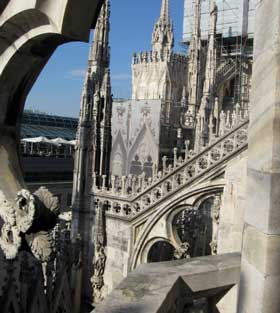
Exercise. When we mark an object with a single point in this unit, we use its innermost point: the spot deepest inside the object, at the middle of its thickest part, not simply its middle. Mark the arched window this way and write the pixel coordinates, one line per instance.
(195, 227)
(161, 251)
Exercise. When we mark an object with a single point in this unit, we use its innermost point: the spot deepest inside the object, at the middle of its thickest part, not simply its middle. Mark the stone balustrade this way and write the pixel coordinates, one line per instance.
(130, 196)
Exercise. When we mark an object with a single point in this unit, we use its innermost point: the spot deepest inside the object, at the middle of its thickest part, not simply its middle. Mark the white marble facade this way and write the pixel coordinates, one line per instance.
(160, 73)
(135, 136)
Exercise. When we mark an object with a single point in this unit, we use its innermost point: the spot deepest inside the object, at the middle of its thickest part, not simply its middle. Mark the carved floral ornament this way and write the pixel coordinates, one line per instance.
(27, 223)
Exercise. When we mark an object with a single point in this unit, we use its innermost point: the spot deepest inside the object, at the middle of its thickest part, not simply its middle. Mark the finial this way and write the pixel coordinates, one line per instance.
(164, 14)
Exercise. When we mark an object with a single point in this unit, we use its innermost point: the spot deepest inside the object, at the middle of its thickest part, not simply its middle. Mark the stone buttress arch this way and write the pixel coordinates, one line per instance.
(192, 196)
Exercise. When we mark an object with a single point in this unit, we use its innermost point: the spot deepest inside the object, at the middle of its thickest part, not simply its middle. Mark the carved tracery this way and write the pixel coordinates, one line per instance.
(197, 228)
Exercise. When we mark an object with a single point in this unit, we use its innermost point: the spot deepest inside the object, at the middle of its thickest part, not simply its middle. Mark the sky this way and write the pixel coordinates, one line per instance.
(58, 88)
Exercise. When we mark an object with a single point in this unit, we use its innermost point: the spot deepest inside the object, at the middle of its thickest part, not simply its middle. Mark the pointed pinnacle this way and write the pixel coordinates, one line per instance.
(164, 14)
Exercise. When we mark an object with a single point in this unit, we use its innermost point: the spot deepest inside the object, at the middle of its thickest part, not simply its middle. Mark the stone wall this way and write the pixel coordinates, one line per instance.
(232, 219)
(159, 79)
(118, 252)
(233, 206)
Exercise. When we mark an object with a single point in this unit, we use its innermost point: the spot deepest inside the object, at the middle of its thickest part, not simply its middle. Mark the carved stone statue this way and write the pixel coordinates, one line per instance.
(188, 120)
(99, 264)
(97, 278)
(183, 252)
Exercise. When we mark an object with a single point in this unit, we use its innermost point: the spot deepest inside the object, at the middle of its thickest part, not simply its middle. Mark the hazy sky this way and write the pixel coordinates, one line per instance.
(58, 89)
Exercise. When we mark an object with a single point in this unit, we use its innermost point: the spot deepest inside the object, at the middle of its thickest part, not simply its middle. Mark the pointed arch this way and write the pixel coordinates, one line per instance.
(119, 156)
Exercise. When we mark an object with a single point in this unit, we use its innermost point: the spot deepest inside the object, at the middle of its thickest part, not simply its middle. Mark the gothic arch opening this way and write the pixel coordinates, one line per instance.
(193, 225)
(161, 251)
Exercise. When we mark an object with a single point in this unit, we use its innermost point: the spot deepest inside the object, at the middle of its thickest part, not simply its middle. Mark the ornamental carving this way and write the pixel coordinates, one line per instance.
(97, 278)
(99, 261)
(183, 252)
(147, 193)
(28, 222)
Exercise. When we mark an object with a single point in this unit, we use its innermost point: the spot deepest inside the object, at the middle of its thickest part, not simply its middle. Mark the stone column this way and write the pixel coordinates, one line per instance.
(260, 274)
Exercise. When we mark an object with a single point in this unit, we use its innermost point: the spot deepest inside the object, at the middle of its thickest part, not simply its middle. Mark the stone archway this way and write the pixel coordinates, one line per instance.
(161, 222)
(30, 33)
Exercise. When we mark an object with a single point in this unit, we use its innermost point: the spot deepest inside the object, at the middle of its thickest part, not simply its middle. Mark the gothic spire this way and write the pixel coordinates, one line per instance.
(210, 73)
(93, 150)
(164, 14)
(194, 61)
(208, 97)
(197, 18)
(163, 35)
(98, 62)
(100, 52)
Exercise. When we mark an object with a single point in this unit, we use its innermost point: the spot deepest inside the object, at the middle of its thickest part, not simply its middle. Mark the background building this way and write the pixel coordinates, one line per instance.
(48, 154)
(160, 73)
(142, 136)
(136, 136)
(230, 42)
(159, 82)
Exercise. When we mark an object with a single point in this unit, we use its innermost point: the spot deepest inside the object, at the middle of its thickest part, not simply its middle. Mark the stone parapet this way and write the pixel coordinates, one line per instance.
(175, 286)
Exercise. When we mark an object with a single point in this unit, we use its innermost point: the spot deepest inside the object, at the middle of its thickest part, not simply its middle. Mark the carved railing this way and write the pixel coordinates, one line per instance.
(130, 196)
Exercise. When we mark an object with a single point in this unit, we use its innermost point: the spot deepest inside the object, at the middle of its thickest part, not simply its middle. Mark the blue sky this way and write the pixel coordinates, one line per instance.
(58, 89)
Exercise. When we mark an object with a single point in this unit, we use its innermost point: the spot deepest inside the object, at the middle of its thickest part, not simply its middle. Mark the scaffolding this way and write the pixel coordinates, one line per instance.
(234, 42)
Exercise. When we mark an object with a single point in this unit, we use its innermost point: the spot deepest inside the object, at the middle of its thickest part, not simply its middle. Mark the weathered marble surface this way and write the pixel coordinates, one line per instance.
(260, 274)
(168, 286)
(119, 240)
(232, 219)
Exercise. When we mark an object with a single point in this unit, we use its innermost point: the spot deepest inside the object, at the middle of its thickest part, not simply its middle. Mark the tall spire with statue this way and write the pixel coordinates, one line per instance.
(93, 147)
